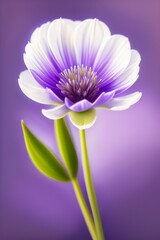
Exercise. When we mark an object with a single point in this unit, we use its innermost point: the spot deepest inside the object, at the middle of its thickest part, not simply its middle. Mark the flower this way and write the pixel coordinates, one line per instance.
(77, 66)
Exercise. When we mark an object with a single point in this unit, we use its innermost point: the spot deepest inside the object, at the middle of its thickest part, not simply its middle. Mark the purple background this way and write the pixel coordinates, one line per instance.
(124, 147)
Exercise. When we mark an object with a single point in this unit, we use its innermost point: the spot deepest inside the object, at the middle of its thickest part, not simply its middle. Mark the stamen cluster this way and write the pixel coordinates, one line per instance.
(79, 83)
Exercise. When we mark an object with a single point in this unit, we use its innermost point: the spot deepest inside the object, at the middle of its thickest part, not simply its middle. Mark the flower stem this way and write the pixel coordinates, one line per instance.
(84, 209)
(90, 187)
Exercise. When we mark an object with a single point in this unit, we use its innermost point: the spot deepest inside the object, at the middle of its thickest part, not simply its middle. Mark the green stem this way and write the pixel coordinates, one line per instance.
(90, 187)
(84, 209)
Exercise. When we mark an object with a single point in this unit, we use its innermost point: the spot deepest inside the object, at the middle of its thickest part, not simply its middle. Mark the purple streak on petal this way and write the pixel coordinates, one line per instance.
(110, 88)
(124, 102)
(59, 38)
(113, 85)
(47, 83)
(69, 58)
(39, 58)
(88, 37)
(68, 102)
(52, 70)
(107, 88)
(80, 106)
(121, 89)
(84, 104)
(130, 75)
(46, 51)
(43, 80)
(103, 98)
(112, 59)
(54, 62)
(53, 96)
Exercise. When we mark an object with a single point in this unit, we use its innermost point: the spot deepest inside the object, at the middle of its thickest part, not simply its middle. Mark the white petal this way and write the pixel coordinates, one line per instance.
(130, 74)
(42, 41)
(38, 55)
(34, 91)
(122, 103)
(59, 36)
(56, 113)
(135, 57)
(34, 50)
(88, 36)
(113, 57)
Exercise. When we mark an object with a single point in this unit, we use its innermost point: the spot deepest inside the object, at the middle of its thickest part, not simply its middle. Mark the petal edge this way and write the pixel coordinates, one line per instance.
(56, 112)
(122, 103)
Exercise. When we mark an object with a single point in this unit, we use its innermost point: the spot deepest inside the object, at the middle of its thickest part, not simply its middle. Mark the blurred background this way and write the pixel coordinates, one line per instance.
(124, 147)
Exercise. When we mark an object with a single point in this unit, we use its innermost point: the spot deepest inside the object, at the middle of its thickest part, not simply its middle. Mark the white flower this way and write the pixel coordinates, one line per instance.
(77, 66)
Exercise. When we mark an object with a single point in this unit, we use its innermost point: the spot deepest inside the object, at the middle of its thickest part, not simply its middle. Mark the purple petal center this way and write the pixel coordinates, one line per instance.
(78, 83)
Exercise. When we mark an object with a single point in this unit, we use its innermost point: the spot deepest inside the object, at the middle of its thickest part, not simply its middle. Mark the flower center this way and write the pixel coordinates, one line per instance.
(79, 83)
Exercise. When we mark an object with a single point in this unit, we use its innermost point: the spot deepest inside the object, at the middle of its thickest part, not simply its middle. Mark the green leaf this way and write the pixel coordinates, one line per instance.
(43, 158)
(83, 120)
(66, 147)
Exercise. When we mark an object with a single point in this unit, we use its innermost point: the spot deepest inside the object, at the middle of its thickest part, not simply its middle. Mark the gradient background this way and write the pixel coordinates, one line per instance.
(124, 147)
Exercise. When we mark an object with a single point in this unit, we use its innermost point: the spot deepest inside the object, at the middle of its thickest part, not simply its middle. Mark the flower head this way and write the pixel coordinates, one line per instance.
(77, 66)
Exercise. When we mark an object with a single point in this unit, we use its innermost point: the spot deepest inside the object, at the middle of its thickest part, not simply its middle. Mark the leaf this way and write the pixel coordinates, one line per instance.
(83, 120)
(66, 147)
(43, 158)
